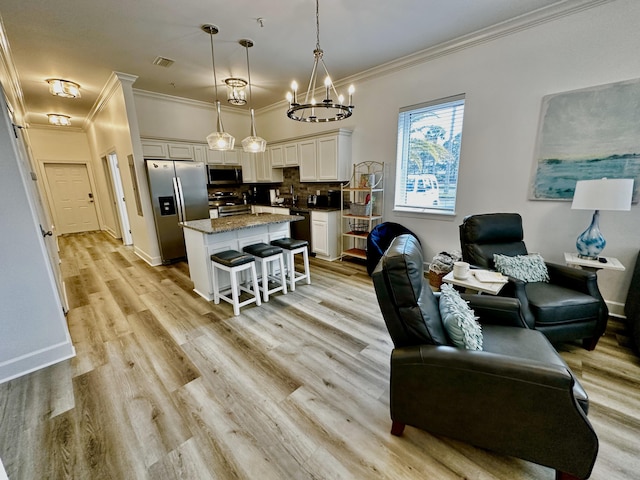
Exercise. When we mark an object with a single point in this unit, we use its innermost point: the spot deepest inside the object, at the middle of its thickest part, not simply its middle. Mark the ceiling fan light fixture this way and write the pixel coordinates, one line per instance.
(328, 110)
(236, 93)
(218, 140)
(63, 88)
(59, 119)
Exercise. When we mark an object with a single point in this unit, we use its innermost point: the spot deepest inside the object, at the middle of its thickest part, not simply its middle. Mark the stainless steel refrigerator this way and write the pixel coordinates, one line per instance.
(178, 193)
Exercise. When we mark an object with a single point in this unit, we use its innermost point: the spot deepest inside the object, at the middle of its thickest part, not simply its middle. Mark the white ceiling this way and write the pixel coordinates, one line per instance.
(84, 41)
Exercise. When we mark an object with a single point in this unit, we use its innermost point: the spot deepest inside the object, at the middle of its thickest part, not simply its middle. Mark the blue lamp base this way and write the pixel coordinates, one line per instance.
(591, 242)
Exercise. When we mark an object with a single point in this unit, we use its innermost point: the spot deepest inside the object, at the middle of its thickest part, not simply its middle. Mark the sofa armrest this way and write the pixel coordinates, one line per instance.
(485, 399)
(497, 310)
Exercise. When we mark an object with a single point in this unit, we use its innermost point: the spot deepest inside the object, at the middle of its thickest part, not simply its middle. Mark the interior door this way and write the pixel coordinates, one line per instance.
(73, 202)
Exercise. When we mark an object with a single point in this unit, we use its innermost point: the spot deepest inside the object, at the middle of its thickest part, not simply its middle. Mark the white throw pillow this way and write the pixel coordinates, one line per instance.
(528, 268)
(459, 320)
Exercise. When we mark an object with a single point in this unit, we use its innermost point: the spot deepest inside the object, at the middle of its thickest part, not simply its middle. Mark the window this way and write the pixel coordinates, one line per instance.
(429, 137)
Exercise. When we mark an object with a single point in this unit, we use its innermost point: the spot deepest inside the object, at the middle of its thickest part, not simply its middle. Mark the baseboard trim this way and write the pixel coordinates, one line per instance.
(153, 261)
(25, 364)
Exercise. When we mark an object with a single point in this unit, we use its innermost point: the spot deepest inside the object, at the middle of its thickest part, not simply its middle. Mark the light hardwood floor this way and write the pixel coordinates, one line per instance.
(166, 385)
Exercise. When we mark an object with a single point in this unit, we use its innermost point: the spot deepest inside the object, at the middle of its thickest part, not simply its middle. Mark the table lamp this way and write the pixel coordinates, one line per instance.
(603, 194)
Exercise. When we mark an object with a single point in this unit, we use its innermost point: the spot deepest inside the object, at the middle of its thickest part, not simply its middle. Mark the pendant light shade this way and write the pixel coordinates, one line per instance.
(218, 140)
(253, 143)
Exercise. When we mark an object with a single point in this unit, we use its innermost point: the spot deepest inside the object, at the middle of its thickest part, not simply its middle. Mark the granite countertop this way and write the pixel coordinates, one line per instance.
(299, 207)
(237, 222)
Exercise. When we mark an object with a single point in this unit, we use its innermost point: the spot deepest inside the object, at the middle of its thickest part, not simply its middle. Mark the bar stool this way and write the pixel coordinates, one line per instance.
(293, 247)
(265, 255)
(234, 262)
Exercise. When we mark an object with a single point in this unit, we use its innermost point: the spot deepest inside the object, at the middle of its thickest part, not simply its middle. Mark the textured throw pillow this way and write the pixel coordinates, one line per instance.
(459, 320)
(528, 268)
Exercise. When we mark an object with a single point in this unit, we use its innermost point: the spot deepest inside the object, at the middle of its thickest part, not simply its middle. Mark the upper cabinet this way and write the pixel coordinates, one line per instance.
(169, 150)
(228, 157)
(325, 158)
(277, 155)
(256, 168)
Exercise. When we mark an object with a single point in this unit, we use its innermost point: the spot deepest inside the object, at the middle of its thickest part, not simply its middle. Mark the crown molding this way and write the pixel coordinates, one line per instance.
(187, 101)
(109, 89)
(57, 128)
(479, 37)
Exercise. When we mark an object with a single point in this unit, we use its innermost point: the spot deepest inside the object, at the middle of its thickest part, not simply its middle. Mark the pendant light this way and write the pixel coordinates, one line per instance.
(218, 140)
(327, 110)
(253, 143)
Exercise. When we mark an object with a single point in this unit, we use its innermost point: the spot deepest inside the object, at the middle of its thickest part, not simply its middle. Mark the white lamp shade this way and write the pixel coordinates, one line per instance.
(603, 194)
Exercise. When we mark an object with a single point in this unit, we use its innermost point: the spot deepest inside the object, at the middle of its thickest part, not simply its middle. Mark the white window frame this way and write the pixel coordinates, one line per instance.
(442, 201)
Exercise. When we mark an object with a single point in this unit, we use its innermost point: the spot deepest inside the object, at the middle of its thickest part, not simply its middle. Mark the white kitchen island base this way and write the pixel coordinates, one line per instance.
(205, 237)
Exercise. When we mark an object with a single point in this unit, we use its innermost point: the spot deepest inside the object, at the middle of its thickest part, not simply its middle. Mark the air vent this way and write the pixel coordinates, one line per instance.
(163, 62)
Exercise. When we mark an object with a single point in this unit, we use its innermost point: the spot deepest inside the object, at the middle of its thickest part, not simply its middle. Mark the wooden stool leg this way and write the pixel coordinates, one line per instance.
(305, 256)
(292, 270)
(234, 292)
(256, 290)
(216, 287)
(283, 278)
(265, 279)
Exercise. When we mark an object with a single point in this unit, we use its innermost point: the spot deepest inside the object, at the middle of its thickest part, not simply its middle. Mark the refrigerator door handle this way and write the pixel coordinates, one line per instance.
(177, 188)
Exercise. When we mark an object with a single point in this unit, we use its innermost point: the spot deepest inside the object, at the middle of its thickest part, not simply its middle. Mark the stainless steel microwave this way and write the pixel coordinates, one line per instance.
(221, 175)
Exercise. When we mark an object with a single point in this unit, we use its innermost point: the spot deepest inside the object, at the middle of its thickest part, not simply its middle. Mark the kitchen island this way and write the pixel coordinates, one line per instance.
(208, 236)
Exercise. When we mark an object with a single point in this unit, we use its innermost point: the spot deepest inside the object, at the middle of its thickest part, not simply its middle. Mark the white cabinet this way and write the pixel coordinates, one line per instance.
(267, 209)
(228, 157)
(277, 156)
(325, 158)
(154, 149)
(264, 172)
(325, 234)
(307, 157)
(248, 163)
(291, 155)
(198, 152)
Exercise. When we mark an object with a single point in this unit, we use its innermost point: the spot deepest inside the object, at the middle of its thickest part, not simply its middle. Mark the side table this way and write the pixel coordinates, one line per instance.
(472, 283)
(612, 263)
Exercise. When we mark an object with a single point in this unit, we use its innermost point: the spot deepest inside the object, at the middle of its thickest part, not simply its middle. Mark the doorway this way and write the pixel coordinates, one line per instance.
(73, 202)
(116, 184)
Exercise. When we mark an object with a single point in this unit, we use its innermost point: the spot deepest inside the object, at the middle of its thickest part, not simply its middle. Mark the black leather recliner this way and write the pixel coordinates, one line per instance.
(632, 306)
(568, 307)
(516, 397)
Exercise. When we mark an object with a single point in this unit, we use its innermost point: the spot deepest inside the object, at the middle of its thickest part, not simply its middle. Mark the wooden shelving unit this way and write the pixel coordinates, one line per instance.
(365, 192)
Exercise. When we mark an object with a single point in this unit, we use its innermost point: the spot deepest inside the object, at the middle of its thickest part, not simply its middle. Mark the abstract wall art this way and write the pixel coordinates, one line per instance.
(587, 134)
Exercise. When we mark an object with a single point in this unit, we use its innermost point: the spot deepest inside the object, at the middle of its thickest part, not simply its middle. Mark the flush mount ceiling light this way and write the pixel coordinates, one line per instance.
(63, 88)
(326, 110)
(58, 119)
(218, 140)
(253, 143)
(236, 94)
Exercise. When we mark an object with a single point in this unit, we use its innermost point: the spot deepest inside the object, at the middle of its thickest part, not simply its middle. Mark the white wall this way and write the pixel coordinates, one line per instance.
(114, 128)
(55, 145)
(33, 328)
(164, 116)
(504, 81)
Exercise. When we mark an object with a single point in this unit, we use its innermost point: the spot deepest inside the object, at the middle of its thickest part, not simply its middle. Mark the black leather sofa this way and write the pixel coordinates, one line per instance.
(516, 396)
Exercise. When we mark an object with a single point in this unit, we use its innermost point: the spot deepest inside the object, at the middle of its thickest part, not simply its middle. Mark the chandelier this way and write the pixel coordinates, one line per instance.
(218, 140)
(63, 88)
(327, 110)
(236, 94)
(253, 143)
